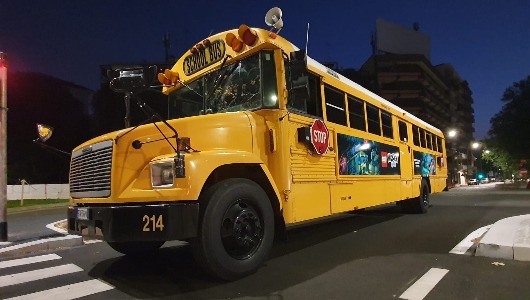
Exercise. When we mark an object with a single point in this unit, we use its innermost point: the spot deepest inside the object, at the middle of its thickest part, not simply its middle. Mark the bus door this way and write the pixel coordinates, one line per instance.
(406, 158)
(310, 173)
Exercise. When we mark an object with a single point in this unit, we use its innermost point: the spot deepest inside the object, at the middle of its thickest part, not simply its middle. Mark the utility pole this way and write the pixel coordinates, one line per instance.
(3, 147)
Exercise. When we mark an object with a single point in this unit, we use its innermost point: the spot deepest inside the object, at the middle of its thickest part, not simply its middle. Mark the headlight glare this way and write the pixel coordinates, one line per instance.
(162, 174)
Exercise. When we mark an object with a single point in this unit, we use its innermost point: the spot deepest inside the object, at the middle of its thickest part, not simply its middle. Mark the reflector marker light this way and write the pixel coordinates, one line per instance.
(168, 77)
(234, 42)
(248, 35)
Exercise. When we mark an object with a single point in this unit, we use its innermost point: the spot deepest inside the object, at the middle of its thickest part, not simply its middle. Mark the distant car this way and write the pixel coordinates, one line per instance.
(472, 181)
(484, 180)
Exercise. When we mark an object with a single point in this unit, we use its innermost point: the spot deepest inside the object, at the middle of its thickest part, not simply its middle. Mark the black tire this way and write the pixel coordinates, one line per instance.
(136, 248)
(236, 231)
(418, 205)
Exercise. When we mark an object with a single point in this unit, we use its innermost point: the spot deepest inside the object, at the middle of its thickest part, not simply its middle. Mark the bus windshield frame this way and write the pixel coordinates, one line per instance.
(246, 85)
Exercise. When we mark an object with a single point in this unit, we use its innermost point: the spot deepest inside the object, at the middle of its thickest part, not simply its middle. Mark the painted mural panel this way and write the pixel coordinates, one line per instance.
(359, 156)
(424, 164)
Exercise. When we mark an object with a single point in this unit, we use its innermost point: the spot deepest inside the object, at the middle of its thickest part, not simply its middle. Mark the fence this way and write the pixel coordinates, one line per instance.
(38, 191)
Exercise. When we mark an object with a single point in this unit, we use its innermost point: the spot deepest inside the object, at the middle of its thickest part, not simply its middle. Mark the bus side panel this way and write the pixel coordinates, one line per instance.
(309, 201)
(363, 193)
(310, 175)
(438, 184)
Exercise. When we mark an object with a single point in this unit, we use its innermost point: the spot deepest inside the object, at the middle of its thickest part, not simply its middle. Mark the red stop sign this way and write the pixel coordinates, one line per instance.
(319, 136)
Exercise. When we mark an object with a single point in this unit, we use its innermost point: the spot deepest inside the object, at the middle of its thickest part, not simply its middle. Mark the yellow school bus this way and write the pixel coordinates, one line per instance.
(257, 136)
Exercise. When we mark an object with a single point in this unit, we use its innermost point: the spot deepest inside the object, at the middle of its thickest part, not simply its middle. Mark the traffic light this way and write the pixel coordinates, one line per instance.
(480, 175)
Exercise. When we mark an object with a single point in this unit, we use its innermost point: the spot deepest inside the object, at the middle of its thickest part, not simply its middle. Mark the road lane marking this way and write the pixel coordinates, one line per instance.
(29, 276)
(71, 291)
(28, 260)
(424, 285)
(52, 226)
(468, 242)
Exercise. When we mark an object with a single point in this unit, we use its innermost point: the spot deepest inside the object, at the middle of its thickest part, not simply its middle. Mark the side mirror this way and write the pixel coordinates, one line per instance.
(131, 80)
(298, 74)
(298, 63)
(45, 132)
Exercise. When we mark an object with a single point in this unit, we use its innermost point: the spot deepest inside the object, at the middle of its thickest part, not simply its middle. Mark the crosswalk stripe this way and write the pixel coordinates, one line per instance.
(28, 260)
(424, 285)
(71, 291)
(28, 276)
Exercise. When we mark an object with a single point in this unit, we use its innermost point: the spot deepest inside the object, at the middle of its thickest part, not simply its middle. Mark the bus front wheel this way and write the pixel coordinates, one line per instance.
(236, 229)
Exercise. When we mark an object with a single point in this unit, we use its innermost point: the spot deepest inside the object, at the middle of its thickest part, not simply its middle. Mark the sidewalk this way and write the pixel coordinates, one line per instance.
(507, 239)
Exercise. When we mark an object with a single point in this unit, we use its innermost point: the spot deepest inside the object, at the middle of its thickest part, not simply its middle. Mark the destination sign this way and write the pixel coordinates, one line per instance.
(204, 57)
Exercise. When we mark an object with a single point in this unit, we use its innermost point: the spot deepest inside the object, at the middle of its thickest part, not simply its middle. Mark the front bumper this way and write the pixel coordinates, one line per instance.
(148, 222)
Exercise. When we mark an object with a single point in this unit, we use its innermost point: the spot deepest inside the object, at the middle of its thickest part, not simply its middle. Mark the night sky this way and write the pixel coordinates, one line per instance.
(487, 42)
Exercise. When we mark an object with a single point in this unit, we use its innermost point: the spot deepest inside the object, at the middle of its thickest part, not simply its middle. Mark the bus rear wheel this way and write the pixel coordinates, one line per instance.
(236, 230)
(136, 248)
(420, 204)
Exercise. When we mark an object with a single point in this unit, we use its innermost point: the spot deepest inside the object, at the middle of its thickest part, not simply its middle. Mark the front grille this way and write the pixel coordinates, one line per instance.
(90, 170)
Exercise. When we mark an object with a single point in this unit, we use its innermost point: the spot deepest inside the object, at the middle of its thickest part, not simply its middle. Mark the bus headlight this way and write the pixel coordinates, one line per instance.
(162, 174)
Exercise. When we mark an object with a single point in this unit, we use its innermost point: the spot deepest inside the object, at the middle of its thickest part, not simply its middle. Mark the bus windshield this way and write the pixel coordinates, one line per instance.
(240, 86)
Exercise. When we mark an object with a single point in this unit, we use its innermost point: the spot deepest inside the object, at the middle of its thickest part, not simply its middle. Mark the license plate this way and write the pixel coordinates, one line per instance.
(82, 213)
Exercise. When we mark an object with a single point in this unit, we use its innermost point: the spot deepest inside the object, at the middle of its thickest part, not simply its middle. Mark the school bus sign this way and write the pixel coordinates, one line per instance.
(319, 136)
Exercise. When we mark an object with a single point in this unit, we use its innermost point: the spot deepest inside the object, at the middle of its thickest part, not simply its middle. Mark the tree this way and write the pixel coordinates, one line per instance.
(510, 128)
(499, 158)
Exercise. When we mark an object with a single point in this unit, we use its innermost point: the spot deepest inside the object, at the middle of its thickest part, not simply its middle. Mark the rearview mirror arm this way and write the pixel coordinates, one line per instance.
(54, 150)
(152, 114)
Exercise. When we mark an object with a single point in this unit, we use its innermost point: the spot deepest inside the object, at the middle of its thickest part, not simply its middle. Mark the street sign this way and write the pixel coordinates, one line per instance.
(319, 136)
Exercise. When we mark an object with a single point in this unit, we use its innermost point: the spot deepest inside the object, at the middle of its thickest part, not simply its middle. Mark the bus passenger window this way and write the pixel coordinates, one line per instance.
(335, 111)
(440, 145)
(386, 121)
(422, 138)
(356, 110)
(372, 113)
(429, 141)
(416, 135)
(403, 133)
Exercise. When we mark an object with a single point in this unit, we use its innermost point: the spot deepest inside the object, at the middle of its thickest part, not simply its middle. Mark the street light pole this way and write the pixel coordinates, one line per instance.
(3, 147)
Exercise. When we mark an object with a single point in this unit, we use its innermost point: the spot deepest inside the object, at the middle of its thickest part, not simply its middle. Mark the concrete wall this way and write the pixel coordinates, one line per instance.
(38, 191)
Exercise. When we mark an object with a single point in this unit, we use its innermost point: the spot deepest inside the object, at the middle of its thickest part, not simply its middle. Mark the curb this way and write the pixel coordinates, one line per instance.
(16, 210)
(42, 245)
(507, 239)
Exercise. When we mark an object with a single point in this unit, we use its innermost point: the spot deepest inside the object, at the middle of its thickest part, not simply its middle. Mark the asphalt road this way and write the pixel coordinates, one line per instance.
(378, 254)
(31, 224)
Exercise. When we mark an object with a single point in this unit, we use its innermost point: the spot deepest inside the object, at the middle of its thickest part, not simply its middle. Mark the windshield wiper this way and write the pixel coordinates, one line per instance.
(189, 88)
(217, 83)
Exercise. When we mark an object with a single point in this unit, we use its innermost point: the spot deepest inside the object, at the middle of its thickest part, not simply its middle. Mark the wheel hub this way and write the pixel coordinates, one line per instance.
(242, 230)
